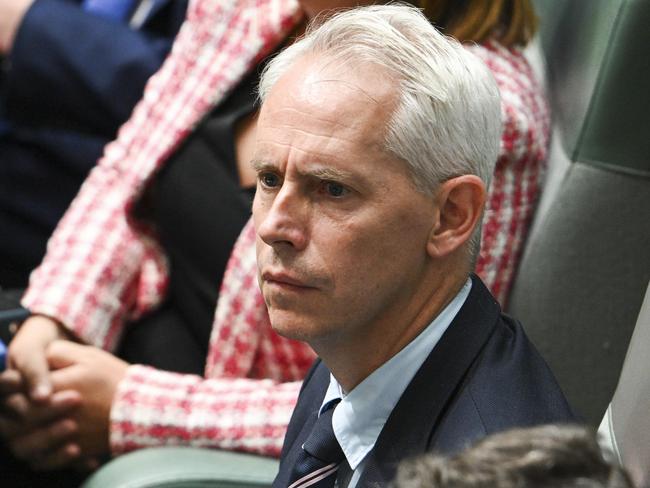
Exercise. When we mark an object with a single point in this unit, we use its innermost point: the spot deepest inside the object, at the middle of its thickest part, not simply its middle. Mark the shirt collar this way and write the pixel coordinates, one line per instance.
(362, 413)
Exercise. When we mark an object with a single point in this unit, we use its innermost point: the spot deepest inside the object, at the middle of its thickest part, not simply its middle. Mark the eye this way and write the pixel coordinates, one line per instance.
(334, 189)
(269, 180)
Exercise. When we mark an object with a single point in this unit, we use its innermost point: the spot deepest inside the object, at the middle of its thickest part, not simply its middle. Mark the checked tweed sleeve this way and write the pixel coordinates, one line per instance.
(520, 169)
(156, 408)
(100, 270)
(251, 383)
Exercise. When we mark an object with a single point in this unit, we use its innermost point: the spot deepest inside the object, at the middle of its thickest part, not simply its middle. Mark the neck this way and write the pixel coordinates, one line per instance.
(352, 359)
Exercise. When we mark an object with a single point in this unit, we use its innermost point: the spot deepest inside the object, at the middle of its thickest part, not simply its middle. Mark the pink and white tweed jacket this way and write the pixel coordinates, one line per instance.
(103, 270)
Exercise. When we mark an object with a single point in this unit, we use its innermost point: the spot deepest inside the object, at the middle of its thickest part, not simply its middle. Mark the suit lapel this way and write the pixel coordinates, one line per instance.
(409, 428)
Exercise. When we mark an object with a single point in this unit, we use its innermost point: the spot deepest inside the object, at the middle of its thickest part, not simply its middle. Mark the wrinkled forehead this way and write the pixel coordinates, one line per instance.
(350, 93)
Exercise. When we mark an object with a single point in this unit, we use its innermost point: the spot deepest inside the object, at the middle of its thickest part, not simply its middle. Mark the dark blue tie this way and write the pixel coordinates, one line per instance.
(321, 455)
(113, 9)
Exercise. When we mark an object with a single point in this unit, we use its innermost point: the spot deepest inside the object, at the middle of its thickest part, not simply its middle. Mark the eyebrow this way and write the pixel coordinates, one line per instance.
(331, 174)
(260, 165)
(323, 173)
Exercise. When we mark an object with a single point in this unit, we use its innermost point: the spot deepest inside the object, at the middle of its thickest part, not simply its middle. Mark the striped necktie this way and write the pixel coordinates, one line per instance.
(321, 455)
(112, 9)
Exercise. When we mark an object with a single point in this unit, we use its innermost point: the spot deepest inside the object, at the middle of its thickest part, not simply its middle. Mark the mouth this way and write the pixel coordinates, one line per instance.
(285, 281)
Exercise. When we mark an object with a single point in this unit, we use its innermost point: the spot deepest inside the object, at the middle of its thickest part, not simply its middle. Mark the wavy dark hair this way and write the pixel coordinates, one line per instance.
(511, 22)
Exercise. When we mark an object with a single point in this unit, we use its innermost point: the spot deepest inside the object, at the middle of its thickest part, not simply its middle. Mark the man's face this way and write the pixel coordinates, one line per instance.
(341, 232)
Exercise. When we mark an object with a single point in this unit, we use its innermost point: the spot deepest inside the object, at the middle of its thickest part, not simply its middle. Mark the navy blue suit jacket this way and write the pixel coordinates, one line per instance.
(483, 376)
(71, 79)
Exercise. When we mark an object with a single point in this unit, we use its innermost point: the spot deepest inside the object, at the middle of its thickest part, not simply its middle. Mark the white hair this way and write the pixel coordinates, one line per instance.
(447, 120)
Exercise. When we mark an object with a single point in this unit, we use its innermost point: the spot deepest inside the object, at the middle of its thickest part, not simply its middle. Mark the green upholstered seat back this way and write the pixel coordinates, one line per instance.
(587, 261)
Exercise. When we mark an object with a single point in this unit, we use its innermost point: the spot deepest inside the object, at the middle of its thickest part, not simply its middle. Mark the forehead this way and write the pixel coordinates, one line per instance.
(319, 98)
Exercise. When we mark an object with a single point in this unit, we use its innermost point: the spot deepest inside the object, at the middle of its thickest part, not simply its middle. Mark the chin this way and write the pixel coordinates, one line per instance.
(293, 326)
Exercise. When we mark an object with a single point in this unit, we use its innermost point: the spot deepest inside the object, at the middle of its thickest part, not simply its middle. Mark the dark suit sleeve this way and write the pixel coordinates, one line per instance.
(75, 70)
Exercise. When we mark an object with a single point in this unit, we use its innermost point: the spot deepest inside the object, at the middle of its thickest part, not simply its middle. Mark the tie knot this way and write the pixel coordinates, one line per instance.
(322, 443)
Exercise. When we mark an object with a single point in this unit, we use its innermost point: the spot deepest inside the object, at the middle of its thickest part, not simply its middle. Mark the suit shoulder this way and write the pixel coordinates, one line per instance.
(509, 385)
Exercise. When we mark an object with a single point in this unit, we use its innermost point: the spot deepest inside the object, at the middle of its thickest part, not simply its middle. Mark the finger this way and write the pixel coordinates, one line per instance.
(10, 427)
(66, 378)
(16, 406)
(35, 373)
(86, 465)
(10, 382)
(59, 458)
(27, 355)
(62, 403)
(61, 354)
(38, 443)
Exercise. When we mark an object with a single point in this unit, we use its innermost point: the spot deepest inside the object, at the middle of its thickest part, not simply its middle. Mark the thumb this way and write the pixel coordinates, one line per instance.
(35, 373)
(61, 354)
(27, 355)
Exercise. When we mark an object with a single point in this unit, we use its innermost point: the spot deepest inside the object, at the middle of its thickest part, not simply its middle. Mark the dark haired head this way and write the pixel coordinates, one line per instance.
(540, 457)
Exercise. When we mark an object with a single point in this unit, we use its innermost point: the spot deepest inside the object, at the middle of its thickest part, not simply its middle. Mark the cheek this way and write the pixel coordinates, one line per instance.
(394, 245)
(260, 249)
(359, 256)
(258, 209)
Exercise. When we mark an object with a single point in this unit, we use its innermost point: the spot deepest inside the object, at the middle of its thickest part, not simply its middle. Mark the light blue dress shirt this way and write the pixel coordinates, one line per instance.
(360, 416)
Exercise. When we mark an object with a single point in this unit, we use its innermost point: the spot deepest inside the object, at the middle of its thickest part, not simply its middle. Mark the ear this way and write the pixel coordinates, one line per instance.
(460, 204)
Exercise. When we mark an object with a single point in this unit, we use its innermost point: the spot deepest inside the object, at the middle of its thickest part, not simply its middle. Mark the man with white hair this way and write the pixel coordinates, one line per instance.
(375, 143)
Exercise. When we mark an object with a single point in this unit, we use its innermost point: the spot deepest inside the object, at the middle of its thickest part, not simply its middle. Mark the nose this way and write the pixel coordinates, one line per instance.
(281, 220)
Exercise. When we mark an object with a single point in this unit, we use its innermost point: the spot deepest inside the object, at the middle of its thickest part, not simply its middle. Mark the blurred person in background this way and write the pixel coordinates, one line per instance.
(548, 456)
(71, 73)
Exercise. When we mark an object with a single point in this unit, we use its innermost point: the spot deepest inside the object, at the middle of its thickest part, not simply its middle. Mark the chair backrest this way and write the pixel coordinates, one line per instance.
(185, 467)
(587, 260)
(625, 429)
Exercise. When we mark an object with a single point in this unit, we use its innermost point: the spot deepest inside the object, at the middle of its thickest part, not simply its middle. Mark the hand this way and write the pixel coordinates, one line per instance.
(42, 435)
(95, 375)
(11, 15)
(26, 355)
(71, 427)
